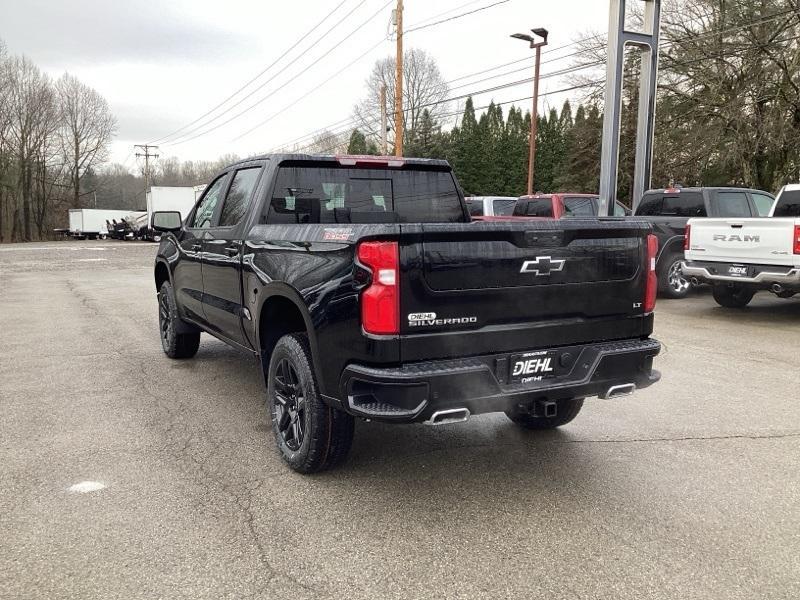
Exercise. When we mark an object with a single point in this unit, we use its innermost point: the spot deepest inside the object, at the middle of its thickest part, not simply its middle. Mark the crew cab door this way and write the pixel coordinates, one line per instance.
(187, 277)
(222, 257)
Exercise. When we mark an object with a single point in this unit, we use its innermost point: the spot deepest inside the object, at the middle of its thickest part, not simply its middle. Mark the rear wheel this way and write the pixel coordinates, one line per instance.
(671, 281)
(311, 436)
(567, 411)
(174, 344)
(733, 296)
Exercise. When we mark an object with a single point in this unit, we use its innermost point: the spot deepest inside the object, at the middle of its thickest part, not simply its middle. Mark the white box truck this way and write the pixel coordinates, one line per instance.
(90, 223)
(166, 198)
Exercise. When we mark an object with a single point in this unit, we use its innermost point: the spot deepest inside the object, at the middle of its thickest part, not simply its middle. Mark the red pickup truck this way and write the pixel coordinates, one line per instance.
(556, 206)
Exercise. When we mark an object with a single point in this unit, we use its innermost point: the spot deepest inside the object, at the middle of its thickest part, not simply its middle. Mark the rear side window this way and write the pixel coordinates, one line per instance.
(733, 204)
(763, 203)
(503, 207)
(307, 194)
(684, 204)
(580, 207)
(788, 205)
(239, 195)
(650, 205)
(540, 207)
(475, 207)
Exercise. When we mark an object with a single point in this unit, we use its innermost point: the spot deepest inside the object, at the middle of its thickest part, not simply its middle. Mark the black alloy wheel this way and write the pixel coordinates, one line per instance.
(290, 405)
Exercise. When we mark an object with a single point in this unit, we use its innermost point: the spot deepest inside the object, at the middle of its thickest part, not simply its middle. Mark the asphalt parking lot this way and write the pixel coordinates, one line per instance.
(690, 489)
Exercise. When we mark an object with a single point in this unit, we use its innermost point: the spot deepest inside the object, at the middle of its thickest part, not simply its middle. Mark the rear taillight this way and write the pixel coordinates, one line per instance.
(797, 239)
(687, 238)
(651, 289)
(380, 302)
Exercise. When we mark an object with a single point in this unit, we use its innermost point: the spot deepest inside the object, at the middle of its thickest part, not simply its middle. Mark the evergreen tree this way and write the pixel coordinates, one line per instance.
(358, 143)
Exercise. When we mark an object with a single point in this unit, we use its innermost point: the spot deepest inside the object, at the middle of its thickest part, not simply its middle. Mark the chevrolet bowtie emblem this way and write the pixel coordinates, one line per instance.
(543, 265)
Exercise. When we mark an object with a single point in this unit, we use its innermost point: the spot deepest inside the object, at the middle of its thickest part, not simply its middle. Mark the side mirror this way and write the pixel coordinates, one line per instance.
(167, 220)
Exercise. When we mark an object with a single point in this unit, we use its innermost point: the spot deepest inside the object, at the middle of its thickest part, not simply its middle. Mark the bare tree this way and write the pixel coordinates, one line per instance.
(34, 119)
(423, 88)
(87, 128)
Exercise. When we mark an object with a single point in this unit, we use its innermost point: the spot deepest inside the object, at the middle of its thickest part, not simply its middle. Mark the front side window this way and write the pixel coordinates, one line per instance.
(733, 204)
(763, 204)
(307, 194)
(788, 205)
(239, 195)
(204, 215)
(580, 207)
(684, 204)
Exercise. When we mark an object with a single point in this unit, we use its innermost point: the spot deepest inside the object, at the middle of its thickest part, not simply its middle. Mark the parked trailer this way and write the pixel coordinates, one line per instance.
(167, 198)
(91, 222)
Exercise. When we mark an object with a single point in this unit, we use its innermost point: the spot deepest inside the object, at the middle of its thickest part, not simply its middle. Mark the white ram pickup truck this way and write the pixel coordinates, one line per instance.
(740, 257)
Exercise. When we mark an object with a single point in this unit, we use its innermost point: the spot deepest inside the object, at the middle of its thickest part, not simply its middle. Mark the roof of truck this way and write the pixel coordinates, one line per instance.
(359, 159)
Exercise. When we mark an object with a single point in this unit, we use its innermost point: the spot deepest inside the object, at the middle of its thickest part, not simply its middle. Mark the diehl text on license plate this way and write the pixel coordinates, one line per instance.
(533, 366)
(737, 271)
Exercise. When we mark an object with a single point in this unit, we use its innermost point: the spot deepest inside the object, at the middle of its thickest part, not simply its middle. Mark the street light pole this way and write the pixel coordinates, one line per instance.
(541, 32)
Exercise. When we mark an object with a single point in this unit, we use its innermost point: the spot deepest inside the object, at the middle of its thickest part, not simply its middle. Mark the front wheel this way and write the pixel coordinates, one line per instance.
(311, 436)
(567, 411)
(733, 296)
(671, 281)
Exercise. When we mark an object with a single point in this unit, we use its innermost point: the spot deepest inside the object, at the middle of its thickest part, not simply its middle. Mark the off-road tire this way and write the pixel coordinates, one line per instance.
(732, 296)
(567, 411)
(671, 282)
(174, 344)
(327, 433)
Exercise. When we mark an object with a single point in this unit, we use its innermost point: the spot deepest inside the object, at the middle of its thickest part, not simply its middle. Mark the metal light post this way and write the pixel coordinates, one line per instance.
(542, 33)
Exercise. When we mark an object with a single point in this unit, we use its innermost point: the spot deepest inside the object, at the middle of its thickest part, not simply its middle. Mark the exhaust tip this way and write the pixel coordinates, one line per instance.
(618, 391)
(449, 416)
(695, 281)
(776, 288)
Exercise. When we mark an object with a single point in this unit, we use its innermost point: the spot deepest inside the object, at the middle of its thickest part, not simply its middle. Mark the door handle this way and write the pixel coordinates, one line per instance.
(232, 250)
(196, 247)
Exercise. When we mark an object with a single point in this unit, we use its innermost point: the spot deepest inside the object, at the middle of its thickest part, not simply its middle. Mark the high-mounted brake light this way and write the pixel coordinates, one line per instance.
(380, 302)
(651, 288)
(797, 239)
(383, 161)
(687, 238)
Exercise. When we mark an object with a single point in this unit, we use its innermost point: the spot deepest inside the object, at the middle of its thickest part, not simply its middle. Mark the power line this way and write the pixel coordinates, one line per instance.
(261, 100)
(272, 64)
(454, 17)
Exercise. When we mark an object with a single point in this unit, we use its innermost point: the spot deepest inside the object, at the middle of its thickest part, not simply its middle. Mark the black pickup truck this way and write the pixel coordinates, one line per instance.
(367, 292)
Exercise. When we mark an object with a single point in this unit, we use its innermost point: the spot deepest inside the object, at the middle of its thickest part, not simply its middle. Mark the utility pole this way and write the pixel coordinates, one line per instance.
(542, 33)
(147, 155)
(384, 149)
(398, 84)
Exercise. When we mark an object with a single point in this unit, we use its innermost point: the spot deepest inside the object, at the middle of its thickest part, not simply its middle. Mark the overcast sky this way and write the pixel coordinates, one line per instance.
(163, 64)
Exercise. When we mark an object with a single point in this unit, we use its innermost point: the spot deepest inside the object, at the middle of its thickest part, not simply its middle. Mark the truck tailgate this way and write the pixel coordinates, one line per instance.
(765, 241)
(515, 285)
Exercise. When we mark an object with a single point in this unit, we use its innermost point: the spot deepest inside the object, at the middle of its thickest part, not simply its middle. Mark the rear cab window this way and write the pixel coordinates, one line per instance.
(683, 204)
(788, 204)
(536, 207)
(763, 203)
(475, 207)
(504, 207)
(650, 206)
(306, 193)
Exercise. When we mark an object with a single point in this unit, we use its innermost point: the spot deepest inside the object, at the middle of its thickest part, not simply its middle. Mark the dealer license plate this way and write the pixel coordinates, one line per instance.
(532, 366)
